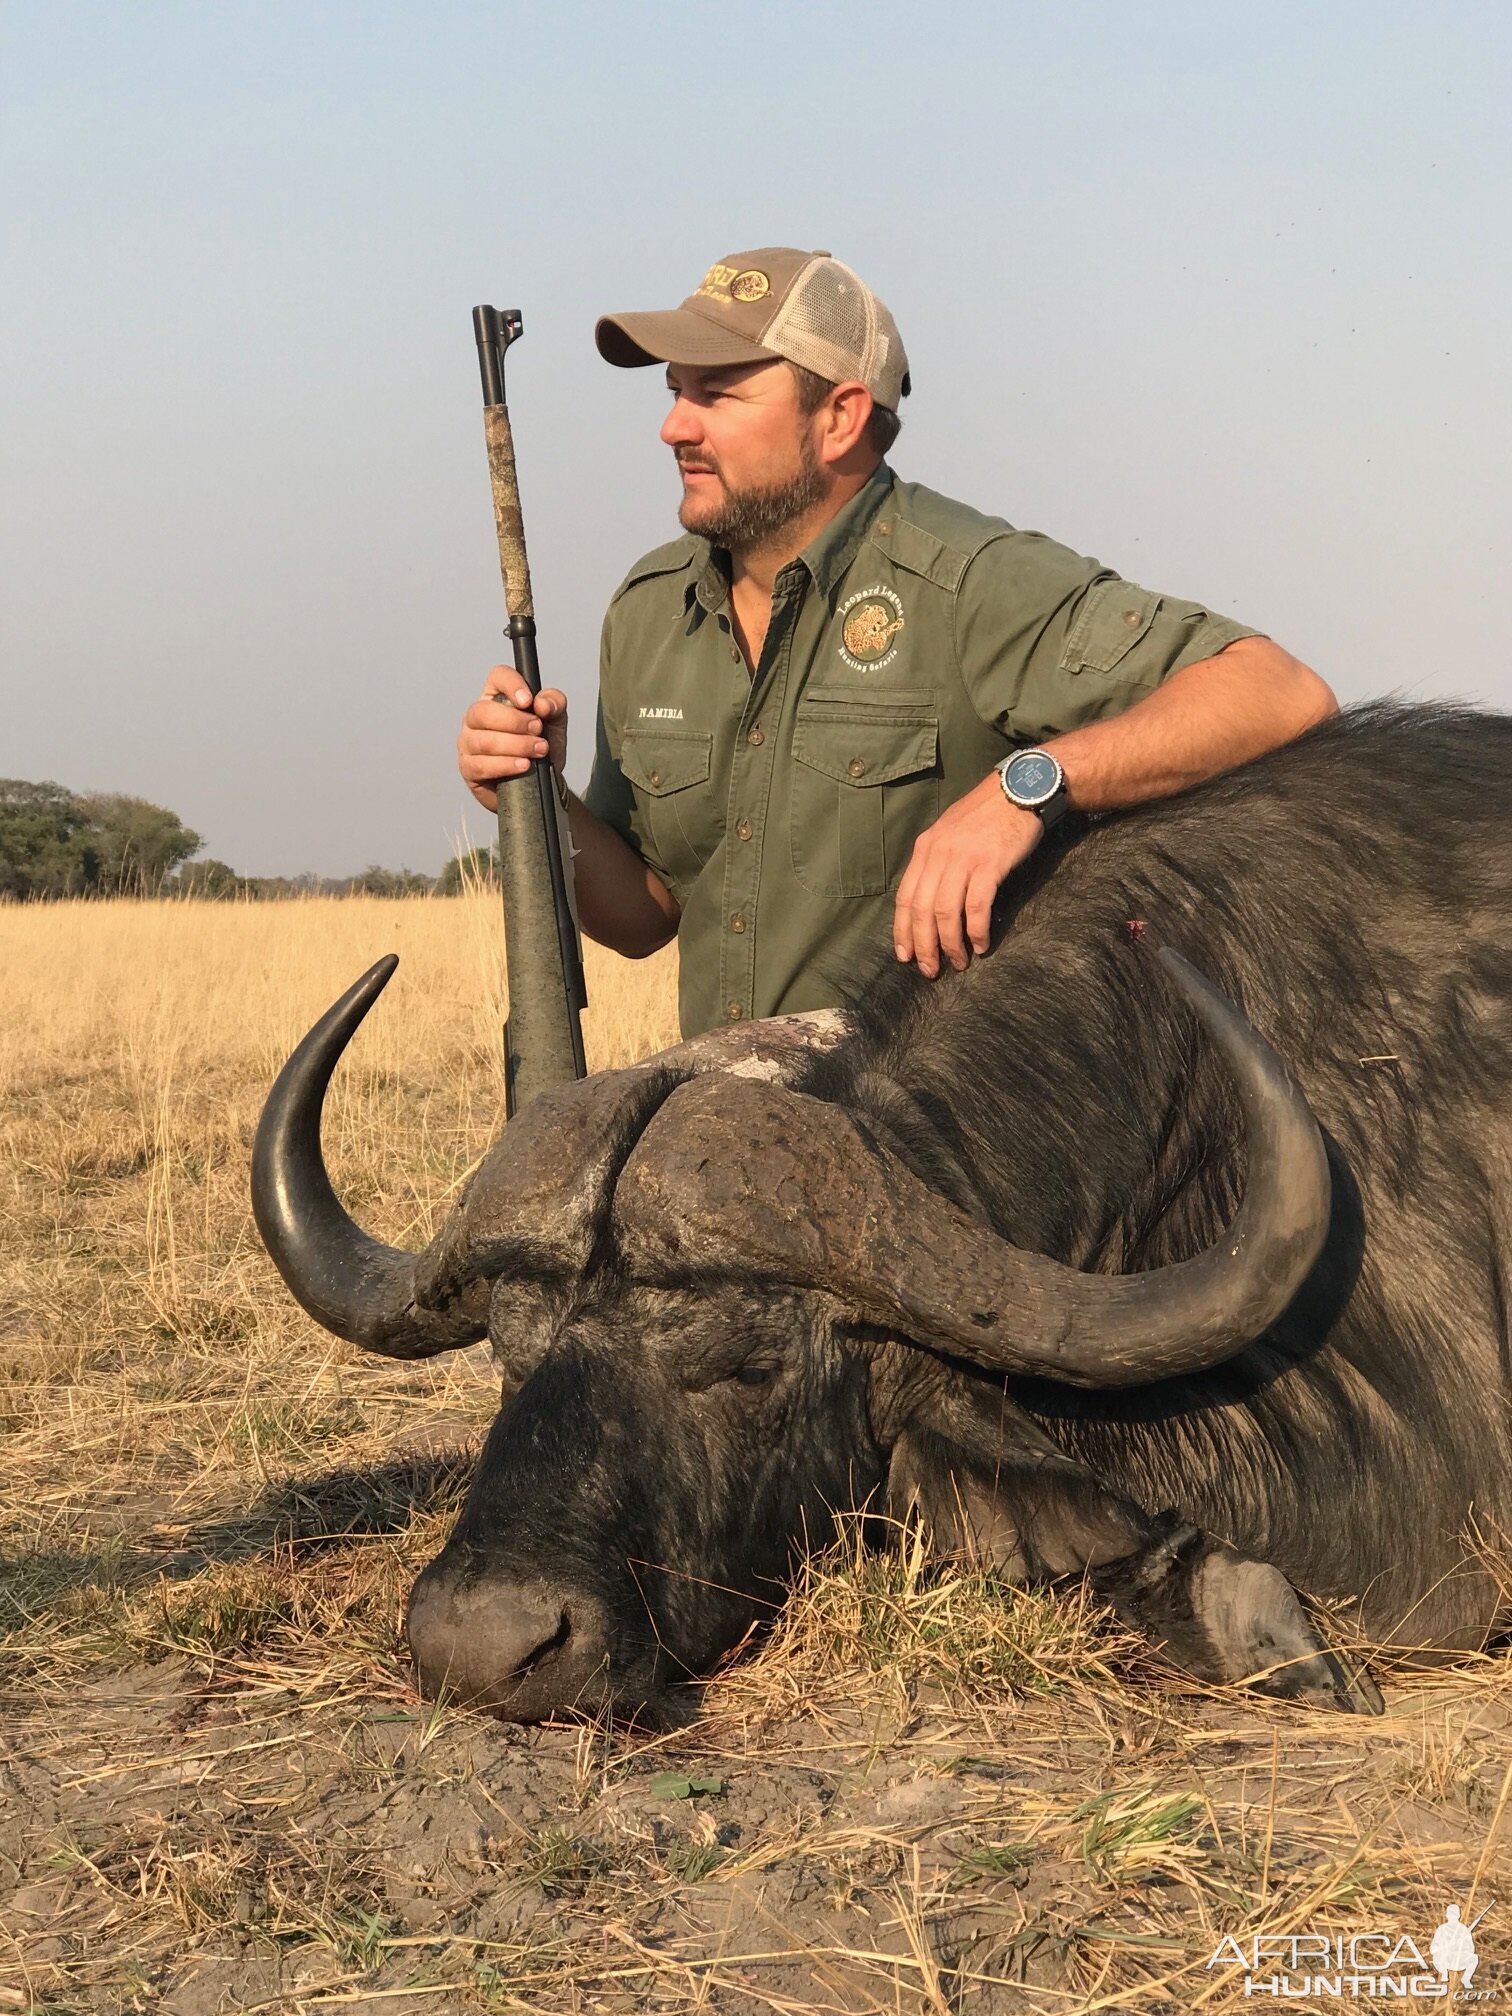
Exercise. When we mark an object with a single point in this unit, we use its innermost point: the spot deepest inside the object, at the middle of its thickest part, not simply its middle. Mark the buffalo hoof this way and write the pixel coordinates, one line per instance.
(1226, 1618)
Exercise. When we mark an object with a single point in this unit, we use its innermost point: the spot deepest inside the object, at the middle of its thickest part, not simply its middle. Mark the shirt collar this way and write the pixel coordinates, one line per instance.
(827, 556)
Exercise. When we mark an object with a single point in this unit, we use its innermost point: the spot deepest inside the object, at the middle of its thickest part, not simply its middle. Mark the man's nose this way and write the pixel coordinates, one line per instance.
(681, 427)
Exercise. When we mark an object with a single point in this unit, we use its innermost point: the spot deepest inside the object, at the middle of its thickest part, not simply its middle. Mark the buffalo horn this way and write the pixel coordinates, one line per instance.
(536, 1208)
(351, 1284)
(737, 1177)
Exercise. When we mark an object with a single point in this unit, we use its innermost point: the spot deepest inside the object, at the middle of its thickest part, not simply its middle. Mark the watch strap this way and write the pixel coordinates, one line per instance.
(1054, 809)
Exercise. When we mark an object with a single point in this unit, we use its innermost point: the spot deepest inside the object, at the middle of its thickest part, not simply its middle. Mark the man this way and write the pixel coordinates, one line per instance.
(843, 709)
(1452, 1947)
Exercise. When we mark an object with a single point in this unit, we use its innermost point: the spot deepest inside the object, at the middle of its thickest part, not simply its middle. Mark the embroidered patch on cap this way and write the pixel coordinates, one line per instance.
(723, 283)
(872, 619)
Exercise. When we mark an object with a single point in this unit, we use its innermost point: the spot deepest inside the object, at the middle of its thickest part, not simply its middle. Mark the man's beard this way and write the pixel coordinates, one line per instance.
(746, 520)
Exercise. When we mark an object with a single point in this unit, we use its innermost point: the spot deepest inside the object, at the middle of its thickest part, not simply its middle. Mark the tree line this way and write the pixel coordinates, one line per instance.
(56, 843)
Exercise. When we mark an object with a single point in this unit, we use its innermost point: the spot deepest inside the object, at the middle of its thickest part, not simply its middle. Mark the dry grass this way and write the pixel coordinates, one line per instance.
(218, 1790)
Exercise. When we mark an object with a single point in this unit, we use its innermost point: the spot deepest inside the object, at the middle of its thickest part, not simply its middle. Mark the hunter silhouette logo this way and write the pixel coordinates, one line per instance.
(1452, 1947)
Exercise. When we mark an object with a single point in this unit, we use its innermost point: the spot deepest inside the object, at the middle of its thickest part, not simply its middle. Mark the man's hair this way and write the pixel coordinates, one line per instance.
(882, 429)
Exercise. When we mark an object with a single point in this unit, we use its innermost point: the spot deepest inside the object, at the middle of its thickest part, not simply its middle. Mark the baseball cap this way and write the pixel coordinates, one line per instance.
(774, 302)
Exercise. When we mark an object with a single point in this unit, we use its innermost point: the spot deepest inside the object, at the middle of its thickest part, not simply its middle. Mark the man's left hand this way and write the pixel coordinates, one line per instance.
(945, 899)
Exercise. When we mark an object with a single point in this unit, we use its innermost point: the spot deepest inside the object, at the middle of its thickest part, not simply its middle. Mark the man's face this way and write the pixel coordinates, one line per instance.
(746, 453)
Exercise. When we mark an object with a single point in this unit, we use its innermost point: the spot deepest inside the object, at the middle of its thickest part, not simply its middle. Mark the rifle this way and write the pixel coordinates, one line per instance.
(543, 1036)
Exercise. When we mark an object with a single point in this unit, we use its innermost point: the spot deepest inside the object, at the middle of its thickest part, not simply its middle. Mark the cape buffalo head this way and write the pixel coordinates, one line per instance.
(724, 1311)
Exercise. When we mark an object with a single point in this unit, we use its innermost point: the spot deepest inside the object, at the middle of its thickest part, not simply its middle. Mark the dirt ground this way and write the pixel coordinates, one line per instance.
(218, 1788)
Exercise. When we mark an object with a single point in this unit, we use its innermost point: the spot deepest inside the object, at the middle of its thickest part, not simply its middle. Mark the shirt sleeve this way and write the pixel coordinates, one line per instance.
(1047, 640)
(608, 796)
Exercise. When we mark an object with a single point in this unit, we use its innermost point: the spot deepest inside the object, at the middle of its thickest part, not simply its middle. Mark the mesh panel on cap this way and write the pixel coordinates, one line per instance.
(828, 324)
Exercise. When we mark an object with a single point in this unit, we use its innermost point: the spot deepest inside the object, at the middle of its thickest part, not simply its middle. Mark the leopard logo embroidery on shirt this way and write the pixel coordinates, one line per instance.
(872, 619)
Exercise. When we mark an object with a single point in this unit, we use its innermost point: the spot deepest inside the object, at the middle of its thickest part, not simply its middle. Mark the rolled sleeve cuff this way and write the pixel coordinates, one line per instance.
(1212, 635)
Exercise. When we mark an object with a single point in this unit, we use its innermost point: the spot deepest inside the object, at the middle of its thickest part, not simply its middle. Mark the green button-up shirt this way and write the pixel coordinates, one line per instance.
(913, 644)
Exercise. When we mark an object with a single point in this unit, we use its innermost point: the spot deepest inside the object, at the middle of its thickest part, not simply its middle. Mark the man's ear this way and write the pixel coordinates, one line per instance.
(847, 410)
(931, 1478)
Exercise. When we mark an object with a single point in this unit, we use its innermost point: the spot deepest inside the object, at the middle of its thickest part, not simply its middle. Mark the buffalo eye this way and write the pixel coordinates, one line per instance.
(756, 1373)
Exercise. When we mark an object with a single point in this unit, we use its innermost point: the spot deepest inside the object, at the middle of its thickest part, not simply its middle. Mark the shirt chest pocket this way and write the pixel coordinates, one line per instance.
(669, 769)
(865, 785)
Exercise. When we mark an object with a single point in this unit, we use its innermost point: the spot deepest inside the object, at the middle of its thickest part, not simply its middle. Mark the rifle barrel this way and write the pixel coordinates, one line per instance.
(543, 1038)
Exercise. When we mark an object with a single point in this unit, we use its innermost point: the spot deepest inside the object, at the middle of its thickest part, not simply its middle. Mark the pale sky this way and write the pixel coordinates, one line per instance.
(1217, 292)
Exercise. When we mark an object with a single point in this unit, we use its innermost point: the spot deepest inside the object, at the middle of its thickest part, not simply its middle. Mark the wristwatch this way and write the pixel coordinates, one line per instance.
(1035, 782)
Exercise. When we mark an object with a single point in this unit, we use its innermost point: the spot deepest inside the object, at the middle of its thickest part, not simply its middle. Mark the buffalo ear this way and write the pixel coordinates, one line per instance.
(1005, 1497)
(932, 1478)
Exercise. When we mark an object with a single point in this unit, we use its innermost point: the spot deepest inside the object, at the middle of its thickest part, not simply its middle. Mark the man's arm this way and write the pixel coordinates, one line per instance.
(621, 902)
(1204, 718)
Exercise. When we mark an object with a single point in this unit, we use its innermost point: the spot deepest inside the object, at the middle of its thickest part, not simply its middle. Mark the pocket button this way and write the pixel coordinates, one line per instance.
(856, 767)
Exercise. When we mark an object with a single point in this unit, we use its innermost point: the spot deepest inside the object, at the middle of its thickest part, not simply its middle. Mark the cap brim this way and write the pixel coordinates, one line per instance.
(673, 336)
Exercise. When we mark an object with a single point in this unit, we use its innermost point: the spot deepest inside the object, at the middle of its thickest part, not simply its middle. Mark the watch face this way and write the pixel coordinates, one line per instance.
(1033, 777)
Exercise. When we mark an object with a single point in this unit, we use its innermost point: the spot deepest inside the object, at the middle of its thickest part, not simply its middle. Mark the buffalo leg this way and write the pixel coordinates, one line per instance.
(1226, 1617)
(1038, 1515)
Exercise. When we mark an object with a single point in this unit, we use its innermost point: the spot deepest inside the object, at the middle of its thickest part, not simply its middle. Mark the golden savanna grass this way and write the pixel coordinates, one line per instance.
(921, 1792)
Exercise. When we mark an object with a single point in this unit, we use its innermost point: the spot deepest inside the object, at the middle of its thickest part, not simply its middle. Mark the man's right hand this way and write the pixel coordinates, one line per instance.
(505, 732)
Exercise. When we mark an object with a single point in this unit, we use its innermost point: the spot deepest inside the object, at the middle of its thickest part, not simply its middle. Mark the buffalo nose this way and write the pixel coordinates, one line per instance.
(523, 1650)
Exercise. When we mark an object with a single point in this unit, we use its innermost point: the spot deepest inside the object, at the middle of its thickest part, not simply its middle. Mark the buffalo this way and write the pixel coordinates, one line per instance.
(1055, 1254)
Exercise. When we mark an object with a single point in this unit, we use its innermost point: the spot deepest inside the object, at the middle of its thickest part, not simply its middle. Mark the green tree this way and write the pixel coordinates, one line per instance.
(376, 881)
(466, 871)
(139, 844)
(47, 845)
(212, 881)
